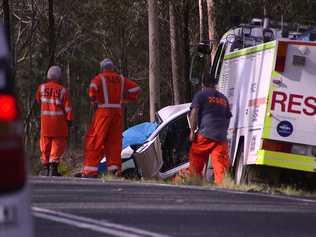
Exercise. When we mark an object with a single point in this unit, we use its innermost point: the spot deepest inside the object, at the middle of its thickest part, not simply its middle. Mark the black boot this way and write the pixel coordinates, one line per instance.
(53, 169)
(44, 171)
(86, 176)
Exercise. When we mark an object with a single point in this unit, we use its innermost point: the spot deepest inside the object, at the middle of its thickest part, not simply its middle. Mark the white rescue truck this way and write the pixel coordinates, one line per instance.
(270, 83)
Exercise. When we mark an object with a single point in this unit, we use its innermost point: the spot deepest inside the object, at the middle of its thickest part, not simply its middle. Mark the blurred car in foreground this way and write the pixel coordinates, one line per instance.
(15, 213)
(158, 149)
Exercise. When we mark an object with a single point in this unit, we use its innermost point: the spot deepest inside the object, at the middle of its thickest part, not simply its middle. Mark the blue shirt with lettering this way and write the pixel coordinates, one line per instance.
(214, 113)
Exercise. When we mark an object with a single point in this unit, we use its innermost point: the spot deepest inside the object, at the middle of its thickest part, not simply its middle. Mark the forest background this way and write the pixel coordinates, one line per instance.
(150, 42)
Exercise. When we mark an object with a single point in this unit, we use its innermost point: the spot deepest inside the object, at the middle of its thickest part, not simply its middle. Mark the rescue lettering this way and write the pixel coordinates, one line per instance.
(217, 100)
(293, 103)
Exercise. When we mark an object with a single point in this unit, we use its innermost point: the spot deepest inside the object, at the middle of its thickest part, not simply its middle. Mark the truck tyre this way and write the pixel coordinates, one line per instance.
(240, 170)
(245, 174)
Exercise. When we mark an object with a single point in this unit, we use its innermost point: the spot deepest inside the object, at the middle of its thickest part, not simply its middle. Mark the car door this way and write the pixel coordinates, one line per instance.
(167, 152)
(148, 158)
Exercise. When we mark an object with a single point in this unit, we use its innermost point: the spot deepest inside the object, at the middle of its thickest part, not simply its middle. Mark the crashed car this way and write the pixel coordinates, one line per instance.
(158, 149)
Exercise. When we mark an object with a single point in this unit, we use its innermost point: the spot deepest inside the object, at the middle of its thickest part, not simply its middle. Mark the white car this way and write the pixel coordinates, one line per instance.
(15, 212)
(165, 151)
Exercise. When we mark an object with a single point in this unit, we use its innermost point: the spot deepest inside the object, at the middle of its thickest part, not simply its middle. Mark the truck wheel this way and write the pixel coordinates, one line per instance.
(245, 174)
(240, 170)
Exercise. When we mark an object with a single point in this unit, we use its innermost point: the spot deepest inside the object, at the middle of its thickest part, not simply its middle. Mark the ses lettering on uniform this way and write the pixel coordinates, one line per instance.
(52, 92)
(294, 103)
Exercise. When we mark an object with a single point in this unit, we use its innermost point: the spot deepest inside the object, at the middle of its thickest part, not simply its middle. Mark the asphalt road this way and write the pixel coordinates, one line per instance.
(77, 208)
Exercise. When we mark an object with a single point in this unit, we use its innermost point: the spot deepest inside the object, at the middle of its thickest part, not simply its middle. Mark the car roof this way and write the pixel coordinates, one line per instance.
(172, 111)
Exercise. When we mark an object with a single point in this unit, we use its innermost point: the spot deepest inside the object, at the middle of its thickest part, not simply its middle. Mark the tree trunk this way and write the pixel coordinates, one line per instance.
(154, 74)
(212, 25)
(186, 49)
(266, 14)
(175, 54)
(51, 32)
(203, 20)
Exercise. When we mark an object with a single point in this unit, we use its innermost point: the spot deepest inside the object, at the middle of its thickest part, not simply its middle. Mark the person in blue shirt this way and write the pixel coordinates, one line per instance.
(209, 119)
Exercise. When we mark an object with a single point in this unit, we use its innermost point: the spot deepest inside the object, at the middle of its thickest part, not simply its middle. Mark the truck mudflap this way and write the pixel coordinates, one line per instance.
(286, 160)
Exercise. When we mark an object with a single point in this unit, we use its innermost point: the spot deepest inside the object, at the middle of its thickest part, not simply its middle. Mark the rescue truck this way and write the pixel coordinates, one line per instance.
(269, 79)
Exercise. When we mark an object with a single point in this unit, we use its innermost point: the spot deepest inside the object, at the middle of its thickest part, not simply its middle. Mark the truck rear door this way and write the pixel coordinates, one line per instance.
(292, 100)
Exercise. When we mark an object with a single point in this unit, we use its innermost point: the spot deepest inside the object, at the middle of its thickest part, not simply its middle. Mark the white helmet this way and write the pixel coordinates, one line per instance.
(54, 73)
(106, 64)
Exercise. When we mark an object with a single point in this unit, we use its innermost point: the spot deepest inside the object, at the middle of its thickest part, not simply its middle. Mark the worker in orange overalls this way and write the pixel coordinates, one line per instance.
(107, 91)
(56, 116)
(209, 120)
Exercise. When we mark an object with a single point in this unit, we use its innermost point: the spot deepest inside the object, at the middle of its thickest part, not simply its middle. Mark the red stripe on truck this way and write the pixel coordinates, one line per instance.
(257, 102)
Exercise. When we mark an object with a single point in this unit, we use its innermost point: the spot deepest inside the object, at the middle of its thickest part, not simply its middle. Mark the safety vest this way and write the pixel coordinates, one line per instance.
(109, 90)
(56, 109)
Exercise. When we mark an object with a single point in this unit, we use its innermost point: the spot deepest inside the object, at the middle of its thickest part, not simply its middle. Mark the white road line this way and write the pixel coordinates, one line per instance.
(94, 225)
(82, 225)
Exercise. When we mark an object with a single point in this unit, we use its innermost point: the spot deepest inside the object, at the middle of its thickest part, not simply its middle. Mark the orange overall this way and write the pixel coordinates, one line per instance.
(56, 111)
(107, 90)
(201, 149)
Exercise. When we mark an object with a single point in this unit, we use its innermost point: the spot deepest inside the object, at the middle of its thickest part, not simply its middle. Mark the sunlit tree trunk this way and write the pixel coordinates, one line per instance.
(212, 24)
(186, 49)
(175, 53)
(154, 73)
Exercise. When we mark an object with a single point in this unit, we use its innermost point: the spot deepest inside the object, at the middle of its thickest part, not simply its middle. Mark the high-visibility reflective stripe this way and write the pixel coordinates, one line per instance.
(105, 90)
(268, 115)
(54, 160)
(135, 89)
(93, 85)
(42, 89)
(50, 101)
(109, 106)
(90, 168)
(286, 160)
(52, 113)
(113, 167)
(68, 109)
(106, 94)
